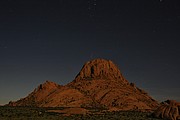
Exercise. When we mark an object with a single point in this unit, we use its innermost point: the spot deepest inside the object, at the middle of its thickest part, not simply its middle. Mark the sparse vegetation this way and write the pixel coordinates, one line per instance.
(29, 113)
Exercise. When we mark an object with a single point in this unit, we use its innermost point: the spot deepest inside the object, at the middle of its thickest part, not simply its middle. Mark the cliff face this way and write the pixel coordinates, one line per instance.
(98, 84)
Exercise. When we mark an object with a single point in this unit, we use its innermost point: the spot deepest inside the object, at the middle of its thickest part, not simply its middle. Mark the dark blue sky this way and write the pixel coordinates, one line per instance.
(51, 40)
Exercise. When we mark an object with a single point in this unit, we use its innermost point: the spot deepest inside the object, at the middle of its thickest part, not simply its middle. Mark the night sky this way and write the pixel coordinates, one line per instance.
(51, 39)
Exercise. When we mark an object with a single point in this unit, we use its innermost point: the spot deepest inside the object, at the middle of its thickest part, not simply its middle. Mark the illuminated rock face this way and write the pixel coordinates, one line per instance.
(98, 84)
(169, 110)
(100, 69)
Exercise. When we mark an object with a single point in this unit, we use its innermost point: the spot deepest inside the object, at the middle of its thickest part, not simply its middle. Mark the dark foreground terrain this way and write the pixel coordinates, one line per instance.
(28, 113)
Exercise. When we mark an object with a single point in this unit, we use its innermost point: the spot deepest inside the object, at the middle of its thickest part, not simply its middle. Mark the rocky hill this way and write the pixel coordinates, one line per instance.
(99, 84)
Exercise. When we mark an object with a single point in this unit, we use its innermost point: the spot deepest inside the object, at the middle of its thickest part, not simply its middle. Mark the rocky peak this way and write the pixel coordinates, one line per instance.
(47, 85)
(100, 69)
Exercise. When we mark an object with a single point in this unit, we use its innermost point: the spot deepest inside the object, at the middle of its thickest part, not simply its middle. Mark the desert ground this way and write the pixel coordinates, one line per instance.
(32, 113)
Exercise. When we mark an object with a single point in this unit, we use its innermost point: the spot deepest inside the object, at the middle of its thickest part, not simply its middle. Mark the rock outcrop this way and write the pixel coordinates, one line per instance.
(100, 69)
(169, 110)
(99, 84)
(38, 95)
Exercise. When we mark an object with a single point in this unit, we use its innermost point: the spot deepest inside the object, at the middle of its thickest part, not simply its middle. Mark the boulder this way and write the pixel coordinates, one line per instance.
(168, 110)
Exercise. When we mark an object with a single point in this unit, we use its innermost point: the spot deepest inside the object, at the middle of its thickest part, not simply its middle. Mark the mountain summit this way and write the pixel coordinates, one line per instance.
(100, 69)
(98, 84)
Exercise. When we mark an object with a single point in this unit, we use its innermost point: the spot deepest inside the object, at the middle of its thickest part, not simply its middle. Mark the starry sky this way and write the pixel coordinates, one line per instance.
(51, 39)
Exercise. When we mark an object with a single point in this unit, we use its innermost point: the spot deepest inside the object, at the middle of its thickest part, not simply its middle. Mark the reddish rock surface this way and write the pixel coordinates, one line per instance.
(169, 110)
(99, 84)
(100, 69)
